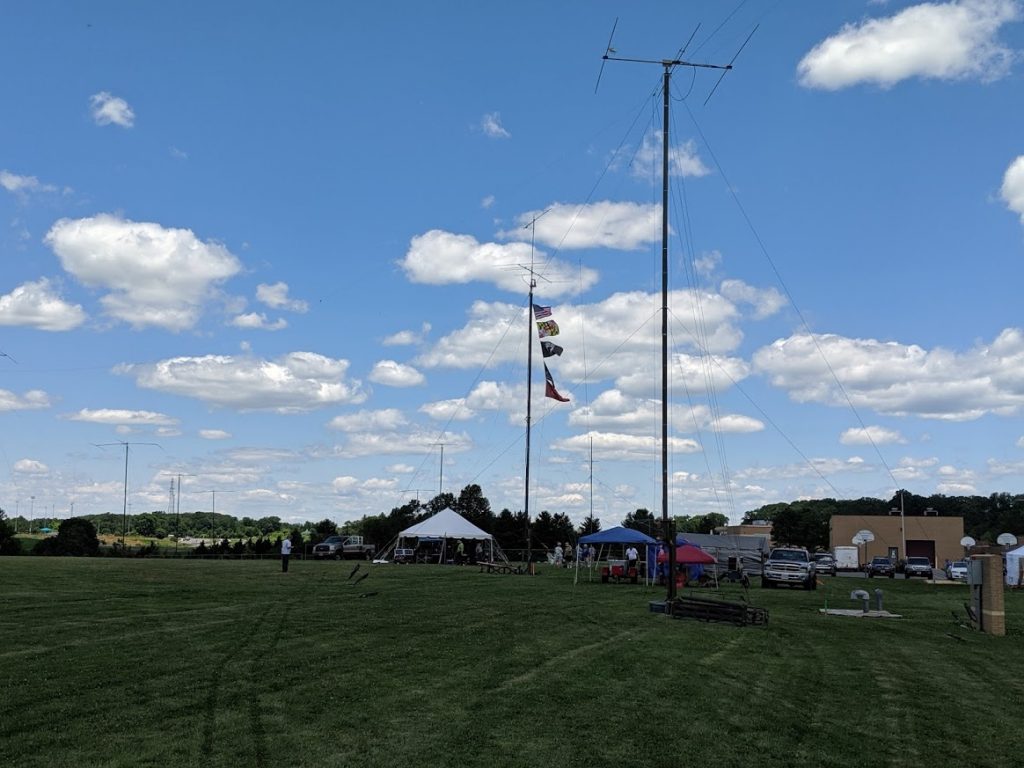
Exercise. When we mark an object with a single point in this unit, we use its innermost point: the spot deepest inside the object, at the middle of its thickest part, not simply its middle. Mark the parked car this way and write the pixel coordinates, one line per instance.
(825, 563)
(789, 565)
(881, 566)
(918, 566)
(957, 571)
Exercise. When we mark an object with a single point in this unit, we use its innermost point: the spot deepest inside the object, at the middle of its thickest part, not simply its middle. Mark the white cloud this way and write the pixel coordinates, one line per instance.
(947, 41)
(491, 125)
(400, 469)
(107, 109)
(293, 383)
(683, 158)
(1012, 190)
(258, 321)
(443, 258)
(386, 420)
(871, 435)
(155, 276)
(406, 338)
(416, 440)
(12, 182)
(345, 484)
(604, 224)
(30, 467)
(214, 434)
(30, 401)
(622, 413)
(448, 410)
(610, 445)
(898, 379)
(37, 306)
(632, 317)
(487, 202)
(179, 154)
(765, 301)
(394, 374)
(276, 297)
(124, 417)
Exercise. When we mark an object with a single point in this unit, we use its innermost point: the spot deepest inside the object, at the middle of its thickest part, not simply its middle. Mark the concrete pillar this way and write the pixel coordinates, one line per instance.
(993, 617)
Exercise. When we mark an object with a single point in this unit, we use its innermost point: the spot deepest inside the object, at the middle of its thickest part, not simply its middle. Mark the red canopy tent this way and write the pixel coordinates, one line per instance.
(687, 554)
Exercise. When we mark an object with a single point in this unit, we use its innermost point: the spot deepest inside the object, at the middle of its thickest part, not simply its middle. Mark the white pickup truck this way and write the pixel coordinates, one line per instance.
(789, 565)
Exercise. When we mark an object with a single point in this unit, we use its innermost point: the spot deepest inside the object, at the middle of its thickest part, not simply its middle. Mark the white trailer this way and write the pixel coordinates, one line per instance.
(847, 558)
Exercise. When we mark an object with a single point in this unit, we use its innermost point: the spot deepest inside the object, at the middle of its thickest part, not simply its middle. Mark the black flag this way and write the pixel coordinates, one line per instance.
(550, 349)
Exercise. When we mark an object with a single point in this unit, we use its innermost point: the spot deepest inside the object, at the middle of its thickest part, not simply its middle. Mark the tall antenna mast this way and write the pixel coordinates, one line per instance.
(124, 511)
(667, 65)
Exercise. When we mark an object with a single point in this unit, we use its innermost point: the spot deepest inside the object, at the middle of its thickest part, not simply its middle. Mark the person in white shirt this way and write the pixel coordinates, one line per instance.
(286, 551)
(631, 557)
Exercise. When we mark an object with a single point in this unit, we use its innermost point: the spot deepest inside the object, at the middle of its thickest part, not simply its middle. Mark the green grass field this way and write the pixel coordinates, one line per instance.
(109, 662)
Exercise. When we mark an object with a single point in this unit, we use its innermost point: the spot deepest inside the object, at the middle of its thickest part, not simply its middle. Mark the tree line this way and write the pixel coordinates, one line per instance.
(806, 523)
(802, 523)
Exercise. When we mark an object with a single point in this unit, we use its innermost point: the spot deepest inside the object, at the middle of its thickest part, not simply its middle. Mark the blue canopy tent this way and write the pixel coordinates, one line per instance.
(624, 536)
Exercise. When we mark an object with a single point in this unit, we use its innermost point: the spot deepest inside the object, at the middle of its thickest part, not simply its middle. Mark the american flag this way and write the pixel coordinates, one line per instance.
(540, 312)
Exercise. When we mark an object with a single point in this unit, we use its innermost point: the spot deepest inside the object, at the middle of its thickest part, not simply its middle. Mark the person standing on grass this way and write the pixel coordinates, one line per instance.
(460, 552)
(558, 553)
(567, 554)
(286, 552)
(631, 557)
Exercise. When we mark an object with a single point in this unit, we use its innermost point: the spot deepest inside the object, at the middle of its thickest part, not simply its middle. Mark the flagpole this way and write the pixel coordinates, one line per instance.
(529, 403)
(529, 390)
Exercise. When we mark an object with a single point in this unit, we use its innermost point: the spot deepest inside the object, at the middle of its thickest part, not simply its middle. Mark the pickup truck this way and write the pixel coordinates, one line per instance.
(789, 565)
(343, 547)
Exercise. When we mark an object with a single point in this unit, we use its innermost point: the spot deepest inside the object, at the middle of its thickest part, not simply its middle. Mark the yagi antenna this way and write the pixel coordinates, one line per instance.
(692, 35)
(667, 65)
(607, 52)
(736, 56)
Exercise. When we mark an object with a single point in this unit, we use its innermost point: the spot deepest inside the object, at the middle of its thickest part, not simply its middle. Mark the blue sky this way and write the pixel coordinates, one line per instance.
(279, 248)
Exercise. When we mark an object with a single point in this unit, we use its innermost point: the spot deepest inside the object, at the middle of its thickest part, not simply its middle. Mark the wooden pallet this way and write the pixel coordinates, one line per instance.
(500, 568)
(705, 609)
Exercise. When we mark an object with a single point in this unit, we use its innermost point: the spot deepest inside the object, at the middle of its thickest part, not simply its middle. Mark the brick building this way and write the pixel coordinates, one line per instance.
(937, 538)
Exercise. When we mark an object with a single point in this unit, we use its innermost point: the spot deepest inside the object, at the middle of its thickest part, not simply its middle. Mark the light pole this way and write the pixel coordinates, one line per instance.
(32, 512)
(124, 512)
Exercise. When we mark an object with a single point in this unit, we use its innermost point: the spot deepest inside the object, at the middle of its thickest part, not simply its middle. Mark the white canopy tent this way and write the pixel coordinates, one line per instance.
(446, 528)
(1014, 558)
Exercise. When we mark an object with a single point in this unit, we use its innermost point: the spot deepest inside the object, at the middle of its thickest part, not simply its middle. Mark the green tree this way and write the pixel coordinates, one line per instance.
(563, 528)
(144, 525)
(641, 520)
(590, 525)
(322, 530)
(268, 525)
(801, 526)
(474, 506)
(76, 536)
(8, 543)
(700, 523)
(542, 531)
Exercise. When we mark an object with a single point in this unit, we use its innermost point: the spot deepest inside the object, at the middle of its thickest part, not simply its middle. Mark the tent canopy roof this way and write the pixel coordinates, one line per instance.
(724, 542)
(618, 535)
(446, 524)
